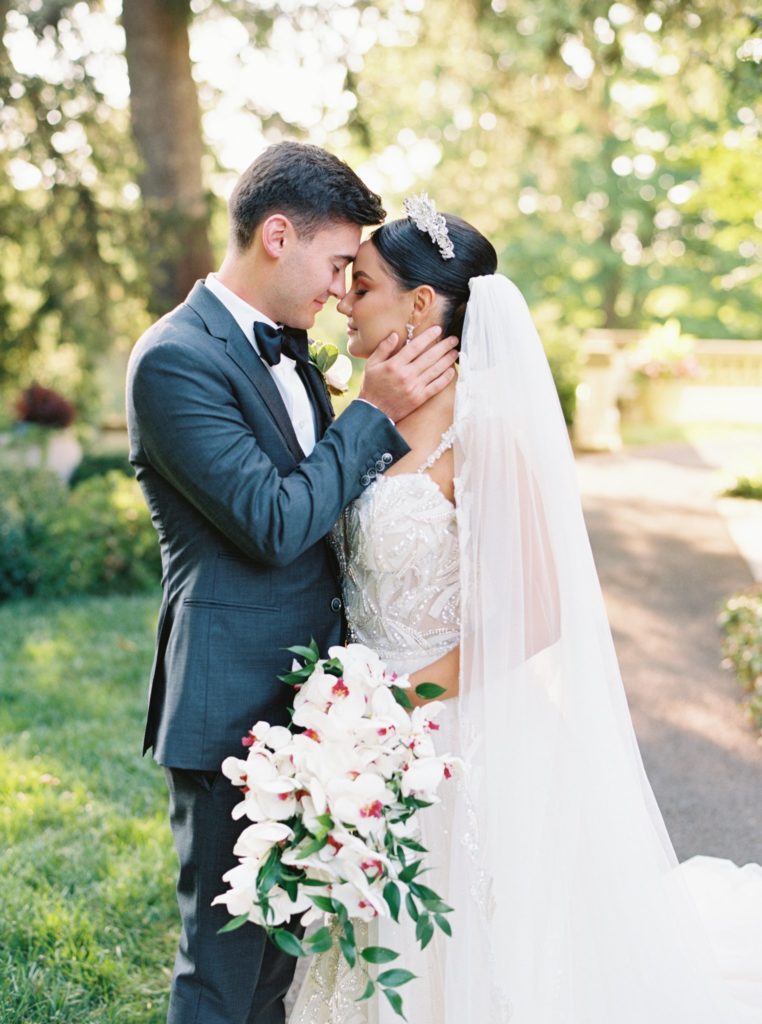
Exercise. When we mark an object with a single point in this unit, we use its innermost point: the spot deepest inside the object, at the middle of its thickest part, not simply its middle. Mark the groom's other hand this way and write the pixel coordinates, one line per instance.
(399, 380)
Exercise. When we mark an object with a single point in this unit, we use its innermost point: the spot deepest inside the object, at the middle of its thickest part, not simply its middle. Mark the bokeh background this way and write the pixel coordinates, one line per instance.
(612, 153)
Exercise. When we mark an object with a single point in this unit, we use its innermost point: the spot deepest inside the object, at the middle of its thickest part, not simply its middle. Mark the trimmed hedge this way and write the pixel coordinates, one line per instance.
(95, 538)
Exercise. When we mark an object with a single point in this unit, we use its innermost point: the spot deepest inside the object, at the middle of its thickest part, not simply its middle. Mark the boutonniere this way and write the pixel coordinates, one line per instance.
(335, 368)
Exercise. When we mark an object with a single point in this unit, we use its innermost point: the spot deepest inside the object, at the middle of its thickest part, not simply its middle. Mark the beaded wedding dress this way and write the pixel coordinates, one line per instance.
(569, 904)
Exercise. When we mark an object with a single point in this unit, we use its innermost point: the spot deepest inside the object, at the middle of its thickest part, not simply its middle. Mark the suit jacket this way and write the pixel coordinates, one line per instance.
(241, 517)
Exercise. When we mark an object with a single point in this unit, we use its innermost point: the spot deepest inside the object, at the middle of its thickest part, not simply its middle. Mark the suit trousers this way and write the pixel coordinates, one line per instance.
(239, 977)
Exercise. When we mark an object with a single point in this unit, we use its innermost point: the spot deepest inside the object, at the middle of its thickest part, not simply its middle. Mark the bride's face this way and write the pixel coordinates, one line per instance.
(375, 305)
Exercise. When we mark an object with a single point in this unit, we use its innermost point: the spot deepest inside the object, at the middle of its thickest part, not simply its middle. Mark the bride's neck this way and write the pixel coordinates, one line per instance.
(439, 409)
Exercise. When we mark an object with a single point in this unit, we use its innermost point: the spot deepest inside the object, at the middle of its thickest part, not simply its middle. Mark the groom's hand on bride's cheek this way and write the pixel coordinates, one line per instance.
(398, 379)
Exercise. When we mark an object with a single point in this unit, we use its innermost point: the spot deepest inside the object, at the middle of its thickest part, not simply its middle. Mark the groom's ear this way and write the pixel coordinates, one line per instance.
(275, 232)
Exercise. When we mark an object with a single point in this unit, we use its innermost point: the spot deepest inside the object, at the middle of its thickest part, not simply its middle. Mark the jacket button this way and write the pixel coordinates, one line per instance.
(380, 466)
(335, 604)
(387, 458)
(365, 479)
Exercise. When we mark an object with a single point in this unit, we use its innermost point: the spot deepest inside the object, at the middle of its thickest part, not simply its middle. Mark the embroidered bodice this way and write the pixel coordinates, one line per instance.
(401, 587)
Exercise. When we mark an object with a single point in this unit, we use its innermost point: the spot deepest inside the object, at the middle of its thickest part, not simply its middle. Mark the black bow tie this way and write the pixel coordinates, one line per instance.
(273, 342)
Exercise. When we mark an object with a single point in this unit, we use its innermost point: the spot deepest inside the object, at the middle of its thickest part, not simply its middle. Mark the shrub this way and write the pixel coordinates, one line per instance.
(28, 497)
(101, 541)
(741, 621)
(746, 487)
(37, 404)
(94, 539)
(565, 365)
(99, 465)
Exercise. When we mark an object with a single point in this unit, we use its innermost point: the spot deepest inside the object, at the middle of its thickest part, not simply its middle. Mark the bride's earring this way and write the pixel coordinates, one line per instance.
(409, 328)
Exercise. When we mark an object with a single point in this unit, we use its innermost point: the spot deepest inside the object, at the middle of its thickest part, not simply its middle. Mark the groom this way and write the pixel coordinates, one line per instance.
(244, 472)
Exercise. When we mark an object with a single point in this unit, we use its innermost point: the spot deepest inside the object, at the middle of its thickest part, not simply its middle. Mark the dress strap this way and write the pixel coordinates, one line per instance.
(447, 441)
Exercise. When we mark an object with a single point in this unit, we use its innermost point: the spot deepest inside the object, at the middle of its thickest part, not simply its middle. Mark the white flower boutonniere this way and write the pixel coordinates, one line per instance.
(335, 367)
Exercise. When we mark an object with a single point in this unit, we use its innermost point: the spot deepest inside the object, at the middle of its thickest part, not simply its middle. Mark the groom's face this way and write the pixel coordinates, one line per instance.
(312, 270)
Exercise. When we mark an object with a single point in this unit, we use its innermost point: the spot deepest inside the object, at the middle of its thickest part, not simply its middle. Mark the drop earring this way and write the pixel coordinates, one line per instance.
(409, 328)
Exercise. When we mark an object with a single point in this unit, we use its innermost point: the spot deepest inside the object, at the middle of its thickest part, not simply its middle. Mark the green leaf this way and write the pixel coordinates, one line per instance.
(429, 691)
(317, 844)
(411, 907)
(424, 930)
(349, 932)
(378, 954)
(402, 698)
(411, 844)
(409, 873)
(269, 872)
(309, 654)
(324, 903)
(437, 906)
(396, 977)
(287, 942)
(396, 1000)
(315, 882)
(392, 897)
(325, 820)
(370, 988)
(349, 950)
(321, 941)
(299, 676)
(231, 926)
(443, 923)
(422, 891)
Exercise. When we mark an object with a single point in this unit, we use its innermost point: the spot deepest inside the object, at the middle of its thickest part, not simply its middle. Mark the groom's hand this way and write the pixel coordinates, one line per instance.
(398, 380)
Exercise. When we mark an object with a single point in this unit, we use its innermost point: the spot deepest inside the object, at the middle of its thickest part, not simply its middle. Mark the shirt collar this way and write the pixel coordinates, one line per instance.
(242, 312)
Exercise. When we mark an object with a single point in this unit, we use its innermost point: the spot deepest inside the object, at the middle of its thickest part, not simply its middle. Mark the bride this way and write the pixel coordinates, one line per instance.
(468, 564)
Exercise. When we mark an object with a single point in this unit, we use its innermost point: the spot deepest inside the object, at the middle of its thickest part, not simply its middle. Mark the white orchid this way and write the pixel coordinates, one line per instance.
(360, 802)
(334, 803)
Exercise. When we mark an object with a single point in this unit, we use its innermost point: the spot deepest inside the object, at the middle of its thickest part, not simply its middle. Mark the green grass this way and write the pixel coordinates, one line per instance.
(87, 914)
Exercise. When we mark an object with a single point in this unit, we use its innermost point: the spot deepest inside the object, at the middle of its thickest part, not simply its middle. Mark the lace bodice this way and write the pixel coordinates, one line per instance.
(401, 587)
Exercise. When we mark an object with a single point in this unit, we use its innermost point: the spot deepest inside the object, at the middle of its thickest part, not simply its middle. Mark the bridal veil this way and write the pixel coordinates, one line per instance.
(569, 905)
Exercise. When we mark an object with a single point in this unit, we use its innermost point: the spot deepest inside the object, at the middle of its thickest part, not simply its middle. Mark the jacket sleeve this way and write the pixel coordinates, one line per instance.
(194, 435)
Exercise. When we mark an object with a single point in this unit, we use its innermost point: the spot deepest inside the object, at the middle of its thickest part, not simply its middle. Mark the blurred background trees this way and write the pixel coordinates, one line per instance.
(610, 150)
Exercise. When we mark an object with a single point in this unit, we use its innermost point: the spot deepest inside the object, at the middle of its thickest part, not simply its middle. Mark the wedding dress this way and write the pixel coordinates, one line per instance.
(570, 907)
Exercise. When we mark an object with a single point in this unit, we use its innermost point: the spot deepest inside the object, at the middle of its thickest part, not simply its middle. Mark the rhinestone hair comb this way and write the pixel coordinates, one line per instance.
(423, 213)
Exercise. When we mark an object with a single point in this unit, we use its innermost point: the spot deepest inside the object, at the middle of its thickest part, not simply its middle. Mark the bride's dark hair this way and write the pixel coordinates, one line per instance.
(414, 260)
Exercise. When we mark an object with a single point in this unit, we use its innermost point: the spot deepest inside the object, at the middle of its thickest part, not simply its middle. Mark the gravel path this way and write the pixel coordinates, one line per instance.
(666, 562)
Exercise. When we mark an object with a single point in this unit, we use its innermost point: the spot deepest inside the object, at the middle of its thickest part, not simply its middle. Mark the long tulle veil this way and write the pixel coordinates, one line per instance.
(573, 898)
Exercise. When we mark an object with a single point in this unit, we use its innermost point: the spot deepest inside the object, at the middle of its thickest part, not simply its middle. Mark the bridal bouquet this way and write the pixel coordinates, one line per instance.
(334, 810)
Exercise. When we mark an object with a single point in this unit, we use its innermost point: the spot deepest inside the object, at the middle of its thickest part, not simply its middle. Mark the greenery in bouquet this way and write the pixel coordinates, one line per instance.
(334, 804)
(665, 354)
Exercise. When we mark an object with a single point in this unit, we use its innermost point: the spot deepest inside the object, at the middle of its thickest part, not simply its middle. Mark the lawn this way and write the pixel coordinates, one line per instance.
(87, 914)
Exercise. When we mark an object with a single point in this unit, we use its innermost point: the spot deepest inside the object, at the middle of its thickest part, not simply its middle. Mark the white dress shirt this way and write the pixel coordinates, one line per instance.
(287, 380)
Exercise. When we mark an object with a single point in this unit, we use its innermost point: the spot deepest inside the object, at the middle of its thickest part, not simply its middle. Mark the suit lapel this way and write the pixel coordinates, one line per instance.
(221, 324)
(316, 388)
(242, 353)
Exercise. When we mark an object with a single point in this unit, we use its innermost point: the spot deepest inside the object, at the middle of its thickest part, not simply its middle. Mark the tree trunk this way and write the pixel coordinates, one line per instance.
(166, 122)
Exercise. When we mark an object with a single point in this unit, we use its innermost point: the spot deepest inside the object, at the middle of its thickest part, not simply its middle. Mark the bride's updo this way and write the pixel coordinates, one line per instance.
(414, 259)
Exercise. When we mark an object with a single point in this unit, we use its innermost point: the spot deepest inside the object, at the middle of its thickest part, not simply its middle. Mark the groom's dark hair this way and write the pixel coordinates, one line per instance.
(309, 185)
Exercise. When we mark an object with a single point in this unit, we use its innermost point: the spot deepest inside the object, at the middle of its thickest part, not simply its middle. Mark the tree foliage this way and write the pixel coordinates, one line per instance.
(610, 150)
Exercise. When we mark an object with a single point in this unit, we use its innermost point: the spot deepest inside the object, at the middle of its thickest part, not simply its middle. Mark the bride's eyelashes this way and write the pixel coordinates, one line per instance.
(359, 292)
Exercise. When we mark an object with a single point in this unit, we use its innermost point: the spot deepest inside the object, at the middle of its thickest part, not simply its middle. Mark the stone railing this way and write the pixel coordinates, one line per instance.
(728, 389)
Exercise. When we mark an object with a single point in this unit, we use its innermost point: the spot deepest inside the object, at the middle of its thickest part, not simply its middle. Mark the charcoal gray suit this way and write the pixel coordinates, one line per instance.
(241, 517)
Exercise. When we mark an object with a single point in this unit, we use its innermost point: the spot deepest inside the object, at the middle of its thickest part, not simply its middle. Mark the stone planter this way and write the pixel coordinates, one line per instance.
(42, 447)
(661, 400)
